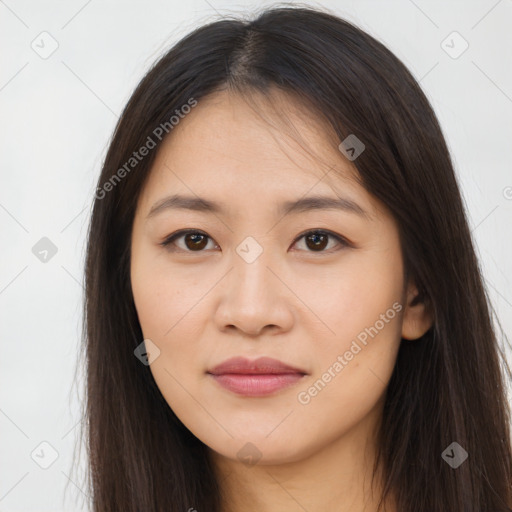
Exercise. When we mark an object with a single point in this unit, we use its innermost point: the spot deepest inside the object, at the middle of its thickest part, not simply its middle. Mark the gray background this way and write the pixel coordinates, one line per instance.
(58, 113)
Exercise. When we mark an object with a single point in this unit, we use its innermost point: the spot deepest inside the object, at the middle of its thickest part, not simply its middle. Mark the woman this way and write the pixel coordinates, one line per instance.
(284, 310)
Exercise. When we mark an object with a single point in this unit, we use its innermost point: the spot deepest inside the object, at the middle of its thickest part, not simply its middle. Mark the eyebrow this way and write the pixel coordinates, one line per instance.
(301, 205)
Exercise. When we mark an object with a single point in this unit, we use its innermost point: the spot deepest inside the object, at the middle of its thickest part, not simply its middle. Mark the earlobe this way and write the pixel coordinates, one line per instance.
(417, 318)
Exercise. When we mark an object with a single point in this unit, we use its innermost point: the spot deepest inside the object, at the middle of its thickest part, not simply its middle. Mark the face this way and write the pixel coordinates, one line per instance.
(319, 289)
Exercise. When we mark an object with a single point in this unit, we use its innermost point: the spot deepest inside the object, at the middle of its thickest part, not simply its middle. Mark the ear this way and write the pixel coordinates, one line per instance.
(417, 318)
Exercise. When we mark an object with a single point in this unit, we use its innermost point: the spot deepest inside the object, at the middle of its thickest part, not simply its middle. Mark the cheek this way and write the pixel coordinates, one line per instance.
(162, 296)
(150, 304)
(353, 366)
(355, 295)
(166, 314)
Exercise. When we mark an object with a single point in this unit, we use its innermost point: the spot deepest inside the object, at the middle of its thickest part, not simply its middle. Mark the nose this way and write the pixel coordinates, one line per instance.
(254, 299)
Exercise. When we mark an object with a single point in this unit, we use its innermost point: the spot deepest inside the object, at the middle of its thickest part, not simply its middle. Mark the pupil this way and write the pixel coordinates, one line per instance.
(317, 244)
(198, 241)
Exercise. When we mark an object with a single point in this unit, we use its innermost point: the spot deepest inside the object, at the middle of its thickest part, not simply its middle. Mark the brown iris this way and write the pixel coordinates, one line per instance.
(197, 241)
(319, 241)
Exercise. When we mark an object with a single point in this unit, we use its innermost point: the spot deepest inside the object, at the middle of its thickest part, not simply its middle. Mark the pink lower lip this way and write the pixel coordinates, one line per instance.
(256, 384)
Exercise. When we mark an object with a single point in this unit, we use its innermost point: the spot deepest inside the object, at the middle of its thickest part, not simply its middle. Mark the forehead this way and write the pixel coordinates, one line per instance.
(228, 147)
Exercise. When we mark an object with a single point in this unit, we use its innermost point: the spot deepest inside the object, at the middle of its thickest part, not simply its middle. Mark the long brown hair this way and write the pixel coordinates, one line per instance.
(446, 387)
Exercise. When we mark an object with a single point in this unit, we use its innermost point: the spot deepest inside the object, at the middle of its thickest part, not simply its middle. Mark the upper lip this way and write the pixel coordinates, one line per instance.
(262, 365)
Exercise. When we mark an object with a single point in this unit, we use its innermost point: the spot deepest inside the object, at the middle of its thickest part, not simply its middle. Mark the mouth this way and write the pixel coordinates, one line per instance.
(261, 377)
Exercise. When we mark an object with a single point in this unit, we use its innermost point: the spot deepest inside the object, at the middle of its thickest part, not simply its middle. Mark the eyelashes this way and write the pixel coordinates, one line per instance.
(318, 239)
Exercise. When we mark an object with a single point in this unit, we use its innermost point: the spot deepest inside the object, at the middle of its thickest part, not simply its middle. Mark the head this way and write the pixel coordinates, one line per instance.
(375, 300)
(257, 286)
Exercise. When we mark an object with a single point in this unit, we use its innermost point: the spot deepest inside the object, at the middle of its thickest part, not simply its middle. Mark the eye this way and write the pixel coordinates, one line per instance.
(317, 240)
(195, 241)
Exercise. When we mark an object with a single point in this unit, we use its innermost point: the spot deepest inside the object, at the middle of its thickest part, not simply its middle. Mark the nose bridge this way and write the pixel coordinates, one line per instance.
(251, 260)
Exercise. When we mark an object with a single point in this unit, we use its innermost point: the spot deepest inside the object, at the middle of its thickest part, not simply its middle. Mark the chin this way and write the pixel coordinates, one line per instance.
(261, 451)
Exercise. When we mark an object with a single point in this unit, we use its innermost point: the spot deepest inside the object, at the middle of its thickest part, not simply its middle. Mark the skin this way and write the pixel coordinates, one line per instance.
(295, 304)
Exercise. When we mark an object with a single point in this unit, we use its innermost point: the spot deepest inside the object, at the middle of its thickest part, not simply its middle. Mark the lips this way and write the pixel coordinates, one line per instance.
(259, 377)
(262, 365)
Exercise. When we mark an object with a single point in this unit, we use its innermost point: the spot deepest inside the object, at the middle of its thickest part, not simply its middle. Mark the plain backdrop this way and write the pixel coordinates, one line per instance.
(67, 70)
